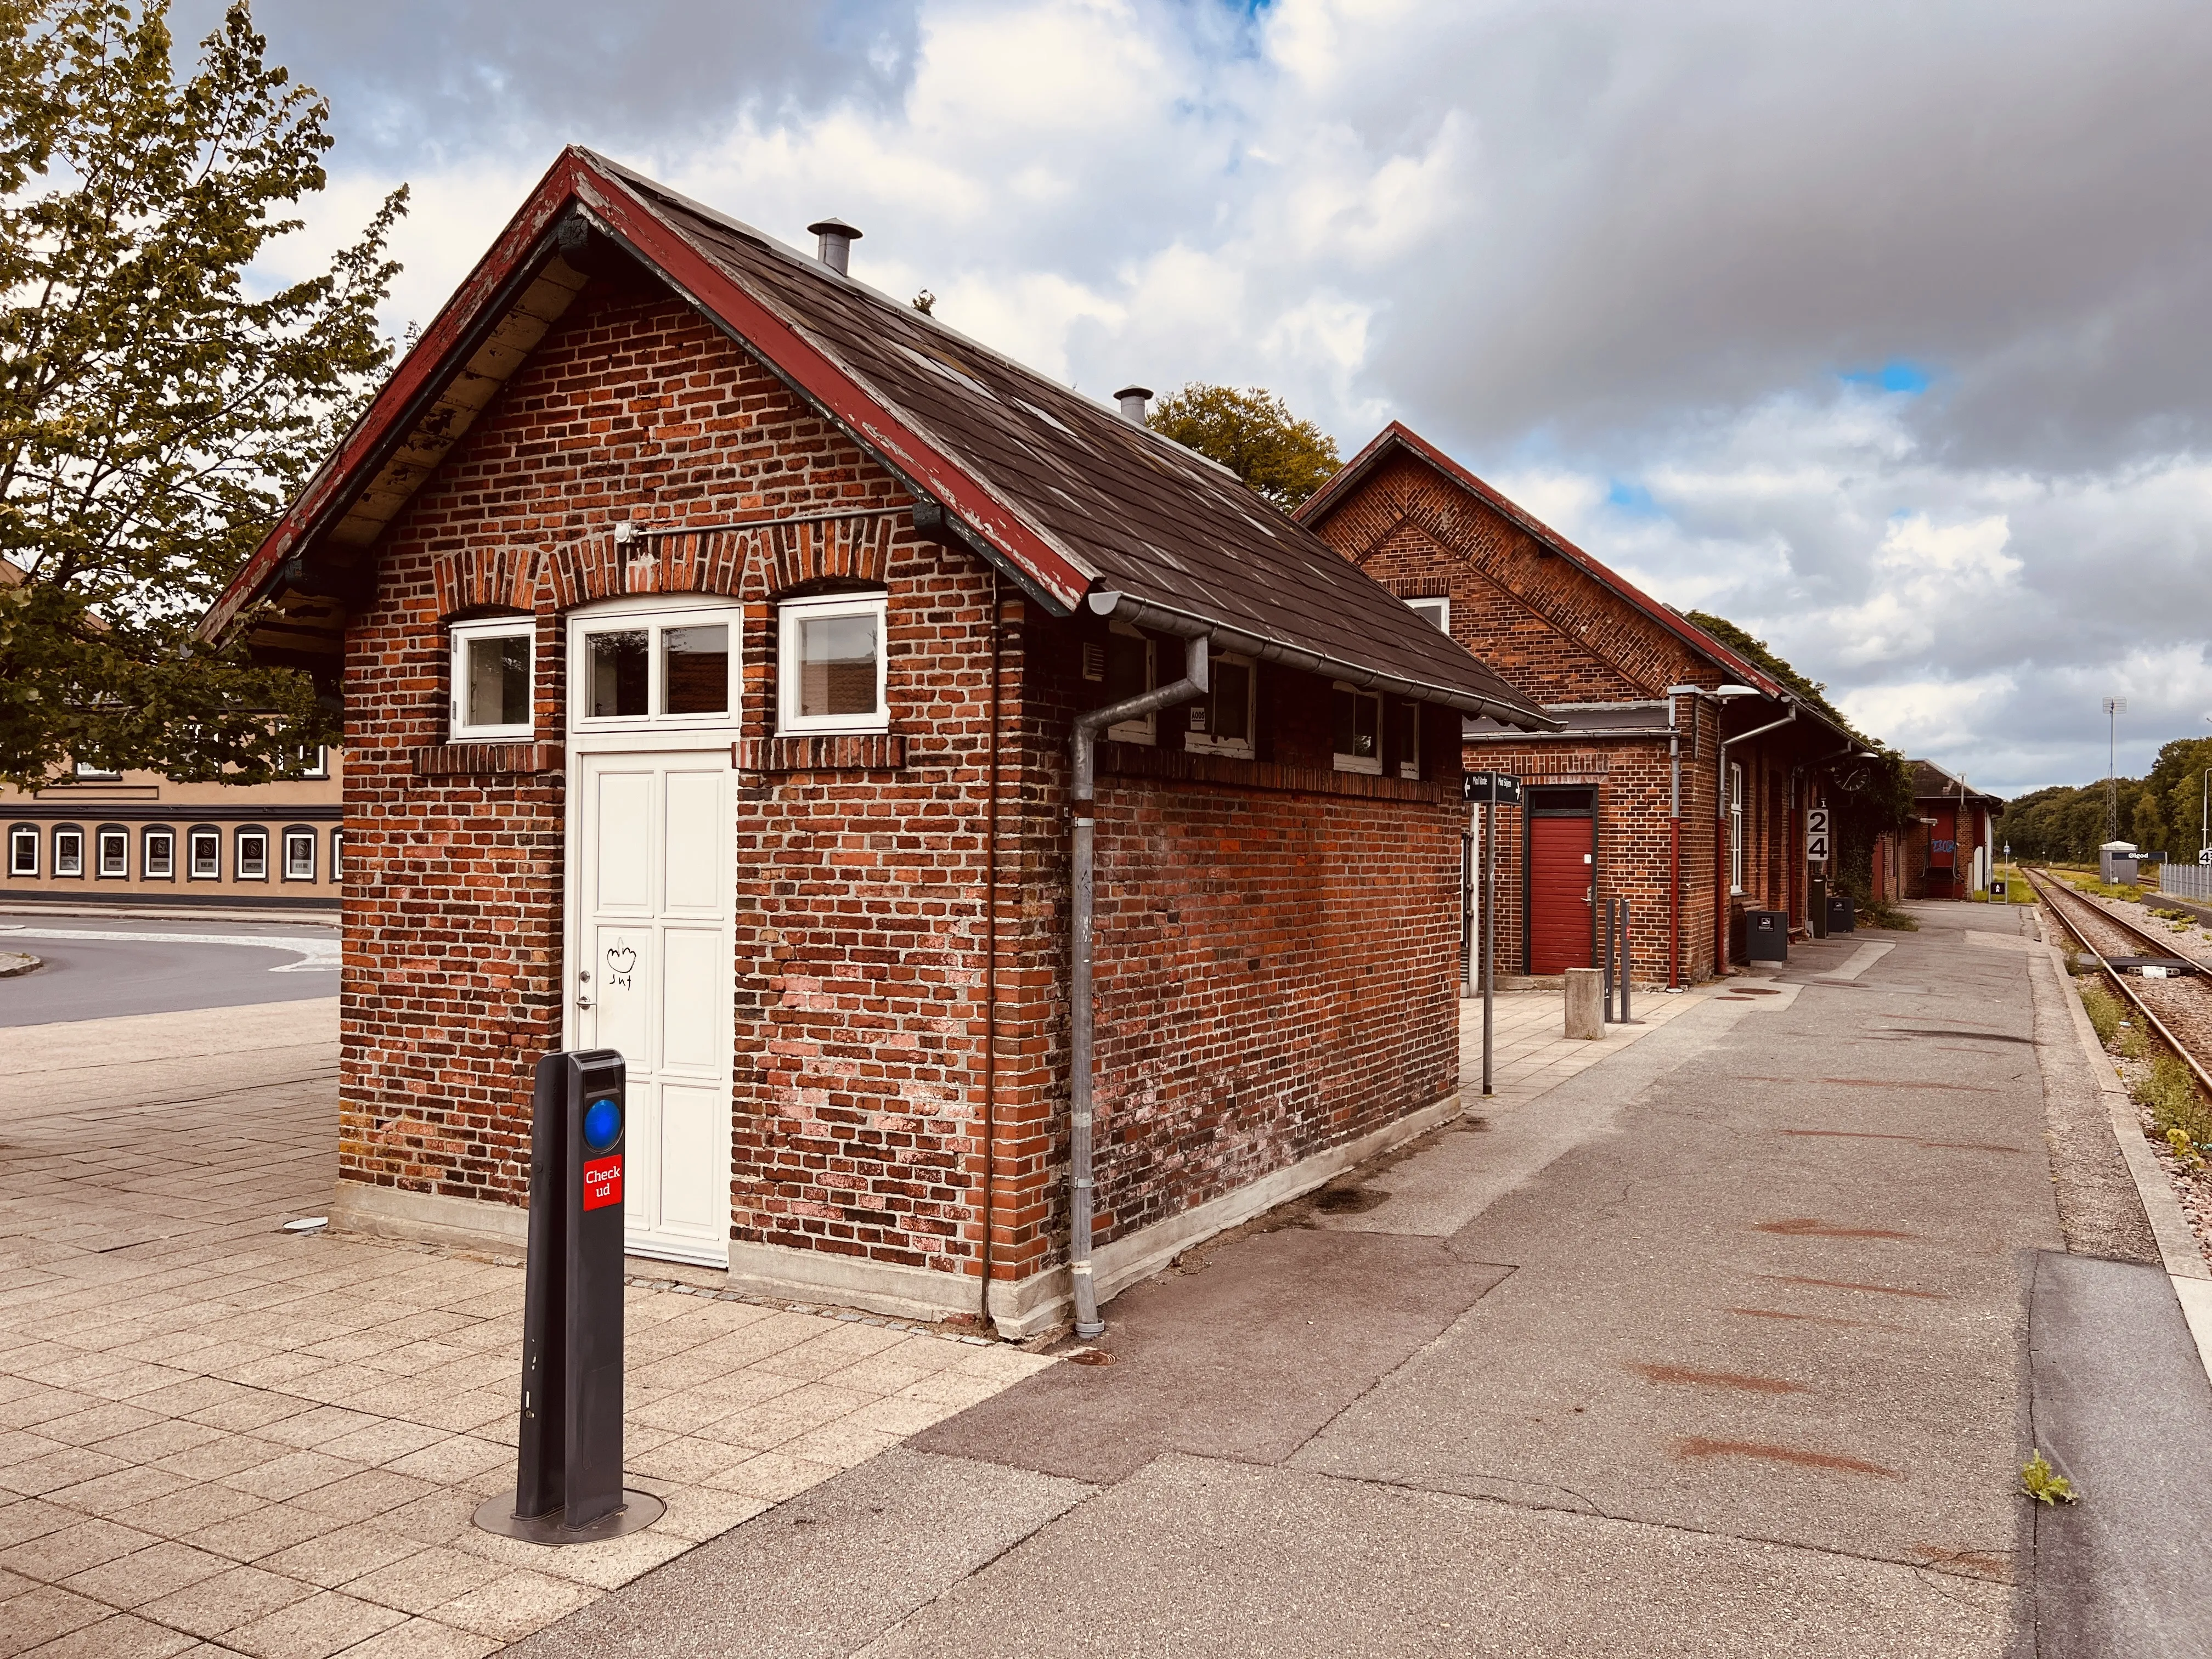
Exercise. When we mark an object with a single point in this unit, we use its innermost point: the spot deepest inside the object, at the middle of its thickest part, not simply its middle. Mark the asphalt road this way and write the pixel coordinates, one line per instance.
(97, 967)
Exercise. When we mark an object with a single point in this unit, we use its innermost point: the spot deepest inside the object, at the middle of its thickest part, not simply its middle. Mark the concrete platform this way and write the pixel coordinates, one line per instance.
(1709, 1338)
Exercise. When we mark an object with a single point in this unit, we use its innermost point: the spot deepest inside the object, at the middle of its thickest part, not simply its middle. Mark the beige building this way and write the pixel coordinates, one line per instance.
(138, 838)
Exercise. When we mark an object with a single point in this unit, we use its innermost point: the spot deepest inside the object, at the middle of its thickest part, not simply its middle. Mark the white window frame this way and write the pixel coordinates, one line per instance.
(1410, 767)
(100, 840)
(1368, 765)
(789, 615)
(1145, 728)
(1440, 602)
(1735, 826)
(296, 837)
(1200, 741)
(18, 837)
(649, 617)
(85, 772)
(168, 840)
(238, 837)
(338, 855)
(459, 729)
(320, 766)
(78, 872)
(193, 840)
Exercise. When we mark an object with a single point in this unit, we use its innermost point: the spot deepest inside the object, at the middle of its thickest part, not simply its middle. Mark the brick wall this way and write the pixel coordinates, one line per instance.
(1276, 941)
(1560, 636)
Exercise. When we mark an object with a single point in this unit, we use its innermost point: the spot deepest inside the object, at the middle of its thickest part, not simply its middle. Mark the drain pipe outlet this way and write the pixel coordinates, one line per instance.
(1081, 1017)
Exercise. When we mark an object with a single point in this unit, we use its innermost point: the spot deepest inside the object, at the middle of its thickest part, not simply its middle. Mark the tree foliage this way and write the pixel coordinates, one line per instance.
(2163, 812)
(159, 403)
(1252, 434)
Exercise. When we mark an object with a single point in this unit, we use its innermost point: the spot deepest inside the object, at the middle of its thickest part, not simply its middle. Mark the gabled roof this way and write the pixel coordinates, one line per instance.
(1931, 782)
(1398, 439)
(1067, 497)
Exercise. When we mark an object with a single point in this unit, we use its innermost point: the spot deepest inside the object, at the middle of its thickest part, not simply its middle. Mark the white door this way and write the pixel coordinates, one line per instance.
(650, 975)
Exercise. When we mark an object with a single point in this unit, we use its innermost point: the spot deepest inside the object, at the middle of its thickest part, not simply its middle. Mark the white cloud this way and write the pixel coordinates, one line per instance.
(1615, 257)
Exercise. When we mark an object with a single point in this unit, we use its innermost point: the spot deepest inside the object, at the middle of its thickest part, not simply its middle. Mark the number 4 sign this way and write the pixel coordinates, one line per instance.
(1816, 834)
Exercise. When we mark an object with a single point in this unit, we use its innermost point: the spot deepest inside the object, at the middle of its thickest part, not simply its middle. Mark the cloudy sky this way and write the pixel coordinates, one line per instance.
(1878, 327)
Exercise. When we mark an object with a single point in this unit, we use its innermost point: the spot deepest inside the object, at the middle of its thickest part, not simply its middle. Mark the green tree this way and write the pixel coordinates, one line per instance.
(159, 403)
(1252, 434)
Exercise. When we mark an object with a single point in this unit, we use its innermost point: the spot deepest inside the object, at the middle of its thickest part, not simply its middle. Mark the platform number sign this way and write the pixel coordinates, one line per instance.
(1816, 834)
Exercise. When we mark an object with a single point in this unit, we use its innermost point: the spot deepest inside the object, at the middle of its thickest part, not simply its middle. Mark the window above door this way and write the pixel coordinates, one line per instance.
(663, 669)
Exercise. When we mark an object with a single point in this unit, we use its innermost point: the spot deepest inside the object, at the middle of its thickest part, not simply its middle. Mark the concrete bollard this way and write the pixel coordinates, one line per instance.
(1586, 1002)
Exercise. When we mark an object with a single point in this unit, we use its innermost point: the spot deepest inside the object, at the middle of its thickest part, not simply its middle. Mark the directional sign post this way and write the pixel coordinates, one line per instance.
(1491, 790)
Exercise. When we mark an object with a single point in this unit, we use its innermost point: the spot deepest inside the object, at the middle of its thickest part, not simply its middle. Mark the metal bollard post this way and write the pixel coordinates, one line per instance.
(568, 1450)
(1605, 964)
(1627, 955)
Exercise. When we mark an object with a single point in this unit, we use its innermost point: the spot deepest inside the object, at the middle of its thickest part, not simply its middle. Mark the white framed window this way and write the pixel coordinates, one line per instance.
(337, 854)
(1132, 668)
(23, 850)
(253, 855)
(112, 847)
(308, 760)
(1407, 748)
(660, 669)
(1357, 720)
(831, 665)
(1735, 826)
(205, 846)
(86, 773)
(69, 852)
(300, 855)
(157, 862)
(493, 680)
(1437, 610)
(1222, 721)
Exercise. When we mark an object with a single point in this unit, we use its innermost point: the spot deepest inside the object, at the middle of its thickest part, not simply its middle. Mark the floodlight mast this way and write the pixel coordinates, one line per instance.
(2114, 708)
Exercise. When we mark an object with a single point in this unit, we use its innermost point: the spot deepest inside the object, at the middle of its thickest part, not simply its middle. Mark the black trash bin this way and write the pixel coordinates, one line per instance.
(1843, 913)
(1766, 935)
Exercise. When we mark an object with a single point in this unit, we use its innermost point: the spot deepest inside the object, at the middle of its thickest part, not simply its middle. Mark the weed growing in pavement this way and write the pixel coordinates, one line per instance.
(1880, 913)
(2104, 1011)
(2044, 1484)
(2183, 1149)
(2175, 1106)
(2134, 1043)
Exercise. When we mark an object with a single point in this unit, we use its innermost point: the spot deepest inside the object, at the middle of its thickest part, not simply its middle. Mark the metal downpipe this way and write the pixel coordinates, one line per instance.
(1082, 1017)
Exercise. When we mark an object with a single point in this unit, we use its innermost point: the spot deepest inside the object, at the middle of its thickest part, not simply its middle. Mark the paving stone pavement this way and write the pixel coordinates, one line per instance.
(224, 1439)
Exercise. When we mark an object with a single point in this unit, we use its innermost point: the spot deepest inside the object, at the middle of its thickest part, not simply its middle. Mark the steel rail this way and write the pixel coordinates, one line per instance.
(2045, 887)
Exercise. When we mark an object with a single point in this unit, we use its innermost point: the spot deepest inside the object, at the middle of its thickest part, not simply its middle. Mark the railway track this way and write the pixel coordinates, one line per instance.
(2177, 1007)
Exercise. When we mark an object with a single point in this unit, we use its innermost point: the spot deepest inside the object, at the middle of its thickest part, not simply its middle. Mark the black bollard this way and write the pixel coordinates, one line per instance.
(569, 1453)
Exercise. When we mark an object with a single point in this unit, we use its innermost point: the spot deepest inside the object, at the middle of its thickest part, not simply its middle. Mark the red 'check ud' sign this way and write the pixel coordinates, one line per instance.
(602, 1182)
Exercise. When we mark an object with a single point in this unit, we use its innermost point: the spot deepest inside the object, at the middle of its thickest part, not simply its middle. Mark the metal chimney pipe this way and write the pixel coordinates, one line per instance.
(1132, 399)
(835, 249)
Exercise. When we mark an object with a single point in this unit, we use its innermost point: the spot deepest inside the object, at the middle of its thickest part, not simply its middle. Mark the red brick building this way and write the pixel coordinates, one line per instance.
(713, 631)
(1682, 773)
(1950, 848)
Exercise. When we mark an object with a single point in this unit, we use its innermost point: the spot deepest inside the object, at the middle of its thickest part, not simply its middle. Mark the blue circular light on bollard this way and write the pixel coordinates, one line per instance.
(602, 1125)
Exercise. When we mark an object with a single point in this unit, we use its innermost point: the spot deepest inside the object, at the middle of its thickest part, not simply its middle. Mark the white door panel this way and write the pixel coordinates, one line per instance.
(654, 981)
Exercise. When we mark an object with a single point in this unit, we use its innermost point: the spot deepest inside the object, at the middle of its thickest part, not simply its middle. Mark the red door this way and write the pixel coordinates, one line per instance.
(1560, 872)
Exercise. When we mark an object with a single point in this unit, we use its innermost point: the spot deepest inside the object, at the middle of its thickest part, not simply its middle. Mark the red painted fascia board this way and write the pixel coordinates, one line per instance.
(420, 366)
(574, 177)
(1398, 435)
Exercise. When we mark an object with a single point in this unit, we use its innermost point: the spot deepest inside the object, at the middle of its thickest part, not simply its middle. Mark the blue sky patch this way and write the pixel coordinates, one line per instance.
(1897, 374)
(1634, 499)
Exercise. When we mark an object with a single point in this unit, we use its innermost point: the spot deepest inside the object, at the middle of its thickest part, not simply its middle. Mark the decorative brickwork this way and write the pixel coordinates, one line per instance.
(883, 752)
(455, 760)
